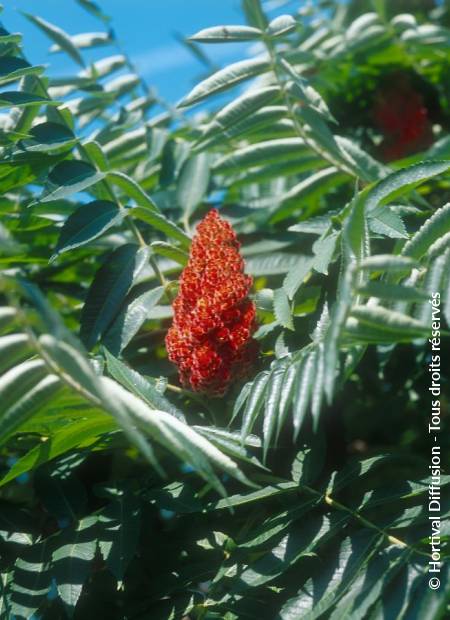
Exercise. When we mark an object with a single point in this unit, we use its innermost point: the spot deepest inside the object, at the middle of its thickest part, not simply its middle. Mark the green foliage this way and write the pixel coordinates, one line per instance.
(303, 493)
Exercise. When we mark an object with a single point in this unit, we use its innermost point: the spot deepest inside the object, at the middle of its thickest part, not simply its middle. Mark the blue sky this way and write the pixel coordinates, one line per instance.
(145, 28)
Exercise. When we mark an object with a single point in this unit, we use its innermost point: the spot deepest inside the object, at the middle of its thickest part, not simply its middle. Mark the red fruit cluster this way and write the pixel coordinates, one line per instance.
(211, 336)
(402, 117)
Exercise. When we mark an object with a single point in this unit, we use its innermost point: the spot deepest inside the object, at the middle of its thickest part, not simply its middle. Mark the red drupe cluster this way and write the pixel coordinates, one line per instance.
(401, 116)
(211, 336)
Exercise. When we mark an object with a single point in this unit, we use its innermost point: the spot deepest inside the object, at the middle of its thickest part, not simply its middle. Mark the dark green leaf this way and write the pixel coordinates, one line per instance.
(108, 290)
(21, 99)
(86, 224)
(71, 559)
(119, 528)
(70, 177)
(13, 68)
(48, 138)
(130, 320)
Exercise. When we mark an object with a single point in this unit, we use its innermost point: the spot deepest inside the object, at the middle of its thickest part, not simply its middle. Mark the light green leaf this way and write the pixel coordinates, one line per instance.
(306, 93)
(132, 190)
(147, 210)
(7, 318)
(226, 78)
(289, 384)
(193, 183)
(389, 223)
(396, 292)
(318, 385)
(387, 262)
(265, 152)
(314, 225)
(14, 348)
(160, 222)
(313, 186)
(105, 66)
(230, 443)
(18, 380)
(435, 227)
(270, 264)
(223, 34)
(39, 389)
(355, 233)
(86, 40)
(303, 390)
(283, 24)
(8, 37)
(58, 36)
(324, 249)
(402, 181)
(368, 168)
(240, 108)
(254, 402)
(434, 278)
(96, 155)
(267, 116)
(390, 321)
(122, 84)
(275, 388)
(282, 309)
(126, 142)
(170, 251)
